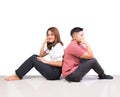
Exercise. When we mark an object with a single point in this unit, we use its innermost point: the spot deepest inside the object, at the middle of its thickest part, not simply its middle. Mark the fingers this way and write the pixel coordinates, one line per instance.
(45, 41)
(39, 58)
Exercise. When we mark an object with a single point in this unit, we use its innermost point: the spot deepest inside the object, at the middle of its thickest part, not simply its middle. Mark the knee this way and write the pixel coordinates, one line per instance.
(94, 59)
(34, 56)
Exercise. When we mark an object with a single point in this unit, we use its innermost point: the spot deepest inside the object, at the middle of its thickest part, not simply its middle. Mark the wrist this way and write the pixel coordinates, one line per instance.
(46, 62)
(44, 43)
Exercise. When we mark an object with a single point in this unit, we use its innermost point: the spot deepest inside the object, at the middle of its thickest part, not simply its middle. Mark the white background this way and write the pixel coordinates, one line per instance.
(23, 25)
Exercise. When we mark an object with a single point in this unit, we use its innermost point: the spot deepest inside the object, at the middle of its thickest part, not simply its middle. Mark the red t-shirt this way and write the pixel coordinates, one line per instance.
(71, 59)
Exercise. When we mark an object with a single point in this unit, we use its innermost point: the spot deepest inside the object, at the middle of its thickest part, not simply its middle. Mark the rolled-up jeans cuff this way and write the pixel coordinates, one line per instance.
(18, 74)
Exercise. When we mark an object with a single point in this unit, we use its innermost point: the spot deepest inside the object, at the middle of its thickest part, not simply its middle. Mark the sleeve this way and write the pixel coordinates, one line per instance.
(58, 52)
(46, 49)
(77, 50)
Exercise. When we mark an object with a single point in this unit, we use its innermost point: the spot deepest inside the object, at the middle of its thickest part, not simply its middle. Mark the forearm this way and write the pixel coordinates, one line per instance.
(58, 63)
(42, 52)
(88, 49)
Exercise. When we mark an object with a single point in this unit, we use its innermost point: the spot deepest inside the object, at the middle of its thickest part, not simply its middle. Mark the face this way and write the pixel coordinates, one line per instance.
(79, 36)
(50, 36)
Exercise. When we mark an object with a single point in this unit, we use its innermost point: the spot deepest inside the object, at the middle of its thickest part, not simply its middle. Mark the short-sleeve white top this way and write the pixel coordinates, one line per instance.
(56, 53)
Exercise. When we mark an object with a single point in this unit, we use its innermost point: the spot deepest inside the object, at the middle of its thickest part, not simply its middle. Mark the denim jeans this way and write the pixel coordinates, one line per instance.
(85, 66)
(48, 71)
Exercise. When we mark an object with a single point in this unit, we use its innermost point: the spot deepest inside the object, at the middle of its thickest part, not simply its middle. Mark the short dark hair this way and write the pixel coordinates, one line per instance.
(76, 30)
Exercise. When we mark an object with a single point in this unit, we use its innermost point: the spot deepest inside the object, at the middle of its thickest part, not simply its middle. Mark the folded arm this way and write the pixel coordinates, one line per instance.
(57, 63)
(88, 54)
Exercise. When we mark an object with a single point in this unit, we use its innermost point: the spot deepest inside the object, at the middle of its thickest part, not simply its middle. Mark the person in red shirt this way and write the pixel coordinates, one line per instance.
(78, 59)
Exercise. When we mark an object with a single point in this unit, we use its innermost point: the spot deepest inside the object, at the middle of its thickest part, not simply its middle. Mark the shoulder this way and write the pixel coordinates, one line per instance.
(74, 47)
(58, 48)
(58, 45)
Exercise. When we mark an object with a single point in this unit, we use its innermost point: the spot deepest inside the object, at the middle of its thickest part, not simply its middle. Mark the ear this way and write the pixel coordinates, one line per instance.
(74, 36)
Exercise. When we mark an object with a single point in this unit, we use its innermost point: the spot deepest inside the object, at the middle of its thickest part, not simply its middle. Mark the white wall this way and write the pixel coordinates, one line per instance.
(23, 24)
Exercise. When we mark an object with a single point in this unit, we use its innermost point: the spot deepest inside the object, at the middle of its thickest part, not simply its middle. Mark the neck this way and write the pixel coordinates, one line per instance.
(75, 41)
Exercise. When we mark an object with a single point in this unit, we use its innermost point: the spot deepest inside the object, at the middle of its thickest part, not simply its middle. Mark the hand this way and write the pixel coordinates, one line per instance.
(41, 59)
(83, 41)
(45, 41)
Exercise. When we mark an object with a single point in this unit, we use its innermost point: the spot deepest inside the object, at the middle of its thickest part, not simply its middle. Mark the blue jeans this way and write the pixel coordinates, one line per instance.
(48, 71)
(85, 66)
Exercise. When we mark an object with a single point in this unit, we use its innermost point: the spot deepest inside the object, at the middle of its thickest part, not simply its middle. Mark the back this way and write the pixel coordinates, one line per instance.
(71, 59)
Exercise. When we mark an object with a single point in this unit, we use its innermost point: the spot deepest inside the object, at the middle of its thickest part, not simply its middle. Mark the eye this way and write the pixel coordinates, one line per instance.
(47, 35)
(50, 35)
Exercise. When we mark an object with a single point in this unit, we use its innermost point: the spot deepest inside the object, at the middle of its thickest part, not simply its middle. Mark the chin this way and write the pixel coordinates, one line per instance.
(51, 41)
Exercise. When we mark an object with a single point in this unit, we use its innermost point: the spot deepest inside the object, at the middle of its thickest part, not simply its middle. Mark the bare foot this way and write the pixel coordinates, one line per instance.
(11, 78)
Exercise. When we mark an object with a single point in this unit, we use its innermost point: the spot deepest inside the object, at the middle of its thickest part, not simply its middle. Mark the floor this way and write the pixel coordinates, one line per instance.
(37, 86)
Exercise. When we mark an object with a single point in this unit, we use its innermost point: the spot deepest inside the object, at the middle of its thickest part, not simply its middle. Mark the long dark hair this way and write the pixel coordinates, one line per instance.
(55, 32)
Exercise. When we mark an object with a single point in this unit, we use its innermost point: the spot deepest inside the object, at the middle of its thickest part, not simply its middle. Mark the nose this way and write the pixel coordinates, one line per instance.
(49, 36)
(82, 34)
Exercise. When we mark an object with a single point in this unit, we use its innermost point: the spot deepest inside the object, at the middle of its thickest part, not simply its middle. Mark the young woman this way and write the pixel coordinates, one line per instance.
(51, 70)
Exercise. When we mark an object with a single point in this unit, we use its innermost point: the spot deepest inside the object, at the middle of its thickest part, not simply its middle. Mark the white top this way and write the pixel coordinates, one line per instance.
(56, 53)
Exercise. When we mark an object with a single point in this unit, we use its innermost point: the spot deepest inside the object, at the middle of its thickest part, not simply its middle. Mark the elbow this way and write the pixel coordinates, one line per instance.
(91, 57)
(60, 64)
(41, 55)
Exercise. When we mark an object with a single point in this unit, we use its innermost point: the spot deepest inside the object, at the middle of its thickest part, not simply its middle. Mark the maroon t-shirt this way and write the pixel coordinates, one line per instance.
(71, 59)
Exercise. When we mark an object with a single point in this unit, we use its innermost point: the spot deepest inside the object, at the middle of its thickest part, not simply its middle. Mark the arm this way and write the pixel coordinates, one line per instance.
(88, 54)
(58, 63)
(42, 52)
(57, 54)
